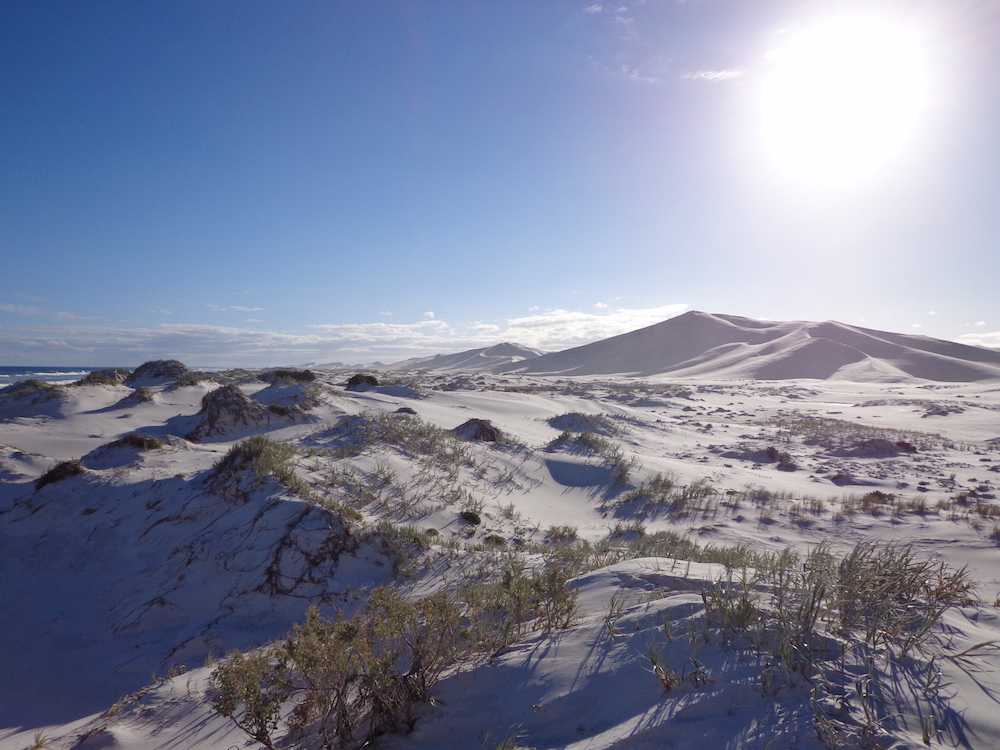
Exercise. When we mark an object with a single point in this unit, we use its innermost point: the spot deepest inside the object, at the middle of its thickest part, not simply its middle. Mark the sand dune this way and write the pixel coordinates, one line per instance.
(159, 554)
(487, 359)
(726, 347)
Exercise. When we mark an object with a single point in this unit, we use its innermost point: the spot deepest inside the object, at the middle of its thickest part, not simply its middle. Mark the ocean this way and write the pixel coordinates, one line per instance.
(59, 375)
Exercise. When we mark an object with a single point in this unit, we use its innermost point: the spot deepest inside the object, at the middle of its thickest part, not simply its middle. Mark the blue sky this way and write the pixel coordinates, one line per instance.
(255, 183)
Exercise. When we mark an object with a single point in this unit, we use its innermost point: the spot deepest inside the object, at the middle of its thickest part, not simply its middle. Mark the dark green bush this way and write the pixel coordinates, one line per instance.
(289, 376)
(60, 472)
(137, 441)
(359, 379)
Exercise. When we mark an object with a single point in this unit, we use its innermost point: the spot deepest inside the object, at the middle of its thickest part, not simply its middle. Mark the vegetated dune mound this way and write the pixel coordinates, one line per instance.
(698, 344)
(224, 410)
(227, 411)
(30, 398)
(156, 372)
(486, 359)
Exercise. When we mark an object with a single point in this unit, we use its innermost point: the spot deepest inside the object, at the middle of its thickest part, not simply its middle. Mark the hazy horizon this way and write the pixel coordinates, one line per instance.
(252, 184)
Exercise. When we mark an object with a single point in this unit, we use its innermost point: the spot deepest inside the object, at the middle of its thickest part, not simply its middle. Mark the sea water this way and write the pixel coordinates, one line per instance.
(57, 375)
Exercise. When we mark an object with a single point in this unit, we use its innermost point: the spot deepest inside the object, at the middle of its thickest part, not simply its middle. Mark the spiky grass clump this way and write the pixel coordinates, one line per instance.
(611, 454)
(263, 457)
(409, 434)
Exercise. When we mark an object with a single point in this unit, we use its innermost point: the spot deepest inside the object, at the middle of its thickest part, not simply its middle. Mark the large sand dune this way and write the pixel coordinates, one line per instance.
(725, 347)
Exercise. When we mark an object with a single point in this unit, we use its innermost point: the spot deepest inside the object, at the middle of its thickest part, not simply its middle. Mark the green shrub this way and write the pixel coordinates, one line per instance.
(247, 689)
(358, 380)
(144, 394)
(137, 441)
(189, 379)
(289, 376)
(352, 679)
(60, 472)
(262, 457)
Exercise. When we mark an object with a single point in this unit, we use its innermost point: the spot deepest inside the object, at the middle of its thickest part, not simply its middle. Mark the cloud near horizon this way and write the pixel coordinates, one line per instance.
(981, 338)
(219, 346)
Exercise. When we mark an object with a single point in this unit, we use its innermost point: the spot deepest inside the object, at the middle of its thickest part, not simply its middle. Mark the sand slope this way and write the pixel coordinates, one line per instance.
(703, 345)
(487, 359)
(149, 562)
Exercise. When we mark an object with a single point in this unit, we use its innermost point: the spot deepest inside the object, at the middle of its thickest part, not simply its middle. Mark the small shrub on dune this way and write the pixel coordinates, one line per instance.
(401, 545)
(289, 376)
(191, 378)
(353, 679)
(471, 516)
(409, 434)
(357, 381)
(262, 457)
(137, 441)
(104, 377)
(478, 430)
(59, 472)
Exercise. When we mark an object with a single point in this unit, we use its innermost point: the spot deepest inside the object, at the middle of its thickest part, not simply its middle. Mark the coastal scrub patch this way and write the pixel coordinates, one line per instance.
(104, 377)
(224, 408)
(288, 376)
(262, 457)
(32, 391)
(59, 472)
(157, 369)
(137, 441)
(189, 379)
(359, 381)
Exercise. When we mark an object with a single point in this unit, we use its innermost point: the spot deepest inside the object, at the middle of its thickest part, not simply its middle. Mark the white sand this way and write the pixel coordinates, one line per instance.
(139, 566)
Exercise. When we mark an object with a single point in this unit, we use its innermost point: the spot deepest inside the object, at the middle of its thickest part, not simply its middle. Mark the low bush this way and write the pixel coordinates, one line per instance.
(356, 381)
(145, 395)
(351, 679)
(262, 457)
(289, 376)
(137, 441)
(104, 377)
(190, 378)
(59, 472)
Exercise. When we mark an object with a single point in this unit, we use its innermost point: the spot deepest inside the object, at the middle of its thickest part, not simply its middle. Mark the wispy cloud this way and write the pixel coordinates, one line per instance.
(237, 308)
(714, 76)
(30, 310)
(981, 338)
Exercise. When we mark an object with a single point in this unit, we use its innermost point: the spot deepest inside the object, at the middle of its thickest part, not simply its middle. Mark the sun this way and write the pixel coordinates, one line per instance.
(842, 99)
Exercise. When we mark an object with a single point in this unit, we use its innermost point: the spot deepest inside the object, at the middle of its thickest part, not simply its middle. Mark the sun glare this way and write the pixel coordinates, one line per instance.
(842, 99)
